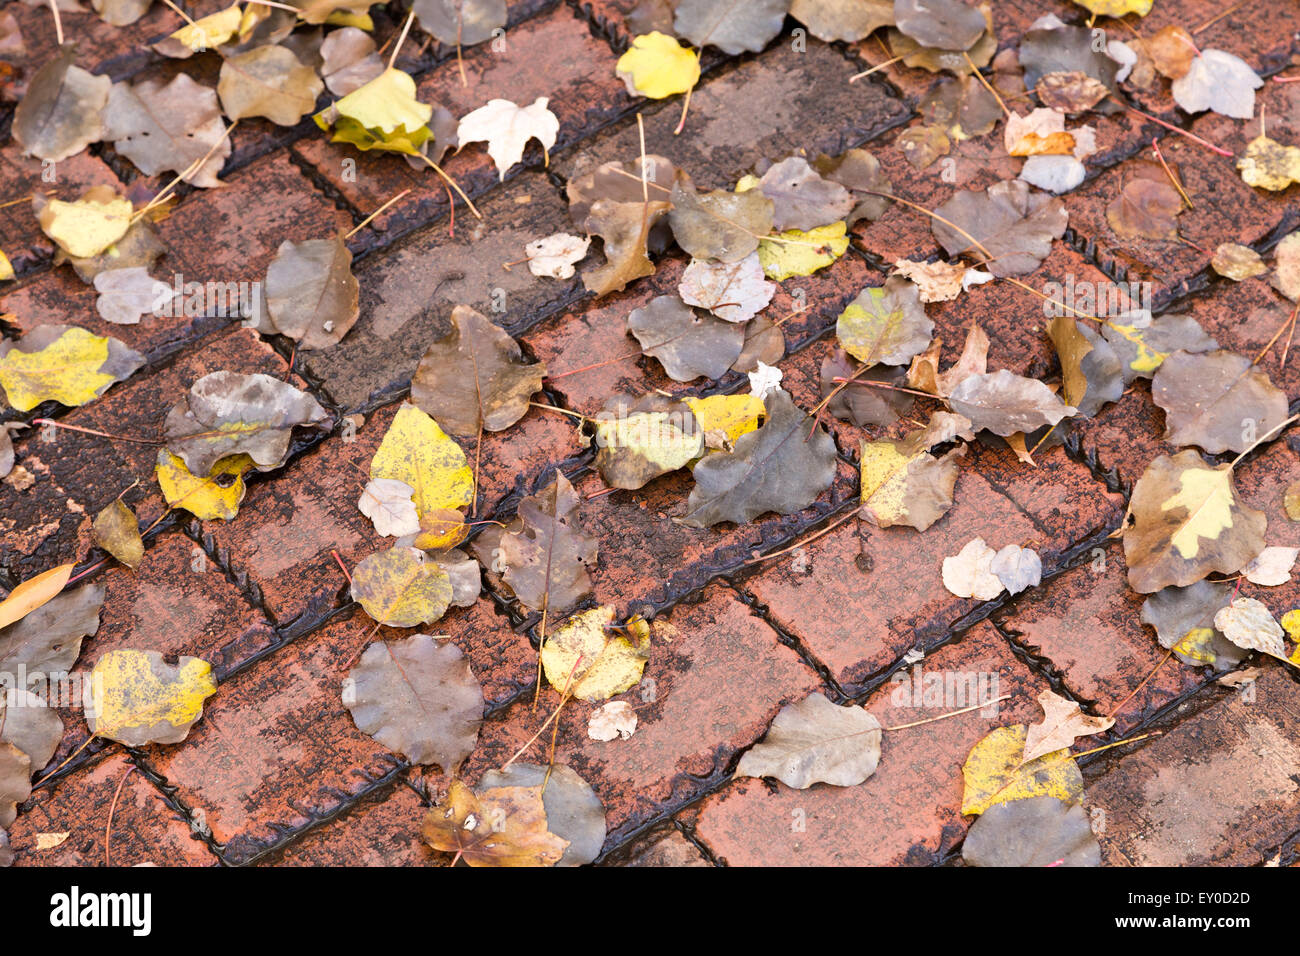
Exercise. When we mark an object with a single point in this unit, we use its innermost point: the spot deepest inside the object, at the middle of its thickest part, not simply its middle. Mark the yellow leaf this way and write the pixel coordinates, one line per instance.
(208, 33)
(89, 225)
(1268, 164)
(205, 498)
(68, 370)
(1197, 645)
(383, 114)
(1116, 8)
(732, 415)
(795, 253)
(400, 588)
(415, 450)
(884, 479)
(346, 18)
(994, 772)
(582, 657)
(48, 841)
(6, 267)
(441, 529)
(138, 699)
(747, 182)
(32, 593)
(1207, 496)
(658, 66)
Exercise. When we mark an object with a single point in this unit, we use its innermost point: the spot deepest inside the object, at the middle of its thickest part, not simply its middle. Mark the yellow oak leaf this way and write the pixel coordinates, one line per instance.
(139, 699)
(995, 773)
(1207, 496)
(417, 451)
(658, 66)
(216, 496)
(382, 114)
(730, 415)
(585, 659)
(62, 363)
(796, 253)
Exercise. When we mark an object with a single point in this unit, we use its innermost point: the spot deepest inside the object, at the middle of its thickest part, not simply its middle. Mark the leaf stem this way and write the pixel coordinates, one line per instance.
(955, 713)
(365, 222)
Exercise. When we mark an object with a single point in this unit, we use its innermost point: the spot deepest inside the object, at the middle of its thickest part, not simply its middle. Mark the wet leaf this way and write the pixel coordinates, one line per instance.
(311, 294)
(1290, 500)
(1267, 164)
(206, 33)
(847, 20)
(658, 66)
(139, 247)
(1142, 348)
(815, 741)
(419, 698)
(1250, 625)
(638, 441)
(942, 24)
(415, 450)
(625, 228)
(885, 325)
(1071, 92)
(1016, 226)
(140, 699)
(863, 404)
(382, 114)
(781, 467)
(555, 256)
(1187, 522)
(615, 720)
(1041, 132)
(802, 199)
(168, 127)
(228, 413)
(764, 344)
(1220, 82)
(1145, 209)
(996, 772)
(731, 27)
(687, 344)
(400, 587)
(460, 22)
(724, 418)
(1055, 174)
(545, 554)
(268, 81)
(64, 364)
(1286, 264)
(590, 661)
(935, 281)
(734, 292)
(15, 783)
(969, 573)
(1006, 403)
(795, 253)
(1116, 8)
(116, 531)
(573, 811)
(1236, 262)
(349, 60)
(125, 295)
(502, 826)
(1064, 49)
(31, 724)
(507, 128)
(719, 224)
(1209, 398)
(121, 13)
(1063, 721)
(61, 113)
(388, 504)
(45, 637)
(936, 60)
(1172, 50)
(858, 171)
(1090, 368)
(1272, 566)
(1183, 619)
(1033, 832)
(622, 183)
(89, 225)
(215, 496)
(1017, 568)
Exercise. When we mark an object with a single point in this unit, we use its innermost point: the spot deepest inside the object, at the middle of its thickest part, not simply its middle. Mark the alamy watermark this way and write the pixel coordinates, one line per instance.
(949, 689)
(1098, 299)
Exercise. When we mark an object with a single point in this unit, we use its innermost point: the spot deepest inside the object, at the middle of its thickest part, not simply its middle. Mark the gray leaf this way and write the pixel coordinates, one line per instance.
(1037, 831)
(573, 811)
(686, 343)
(815, 741)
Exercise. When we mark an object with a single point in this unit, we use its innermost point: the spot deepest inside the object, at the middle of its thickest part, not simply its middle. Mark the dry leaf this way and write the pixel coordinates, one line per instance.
(1063, 722)
(687, 344)
(61, 113)
(140, 699)
(584, 659)
(1220, 82)
(1184, 623)
(885, 325)
(1015, 226)
(168, 127)
(802, 199)
(388, 504)
(941, 24)
(1006, 403)
(734, 292)
(400, 587)
(720, 224)
(460, 22)
(555, 256)
(311, 294)
(815, 741)
(995, 772)
(847, 20)
(1236, 262)
(573, 811)
(1272, 566)
(268, 81)
(1017, 568)
(969, 573)
(1250, 625)
(125, 295)
(1217, 400)
(349, 60)
(731, 27)
(507, 128)
(117, 532)
(42, 630)
(863, 404)
(1144, 345)
(638, 441)
(1145, 209)
(616, 719)
(902, 484)
(416, 451)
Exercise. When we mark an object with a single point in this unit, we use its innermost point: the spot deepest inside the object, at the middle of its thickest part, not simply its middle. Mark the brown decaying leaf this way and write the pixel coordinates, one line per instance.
(116, 531)
(167, 127)
(847, 20)
(637, 441)
(1210, 397)
(1090, 368)
(269, 82)
(962, 106)
(625, 229)
(460, 22)
(1183, 619)
(1063, 721)
(858, 171)
(1071, 91)
(922, 145)
(61, 113)
(1286, 265)
(720, 224)
(1145, 209)
(1014, 224)
(734, 292)
(764, 342)
(782, 466)
(500, 826)
(475, 377)
(15, 781)
(573, 811)
(349, 60)
(30, 723)
(311, 294)
(730, 26)
(401, 587)
(1041, 831)
(1062, 49)
(940, 24)
(686, 343)
(419, 698)
(1172, 50)
(1237, 262)
(863, 404)
(47, 639)
(1006, 403)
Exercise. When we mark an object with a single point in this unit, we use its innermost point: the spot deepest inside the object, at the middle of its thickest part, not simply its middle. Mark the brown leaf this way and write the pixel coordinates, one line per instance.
(15, 781)
(625, 228)
(686, 343)
(500, 826)
(1089, 366)
(1071, 91)
(168, 127)
(1146, 208)
(863, 404)
(1042, 831)
(1172, 50)
(764, 342)
(730, 26)
(475, 377)
(61, 113)
(639, 441)
(1209, 398)
(942, 24)
(847, 20)
(972, 361)
(1006, 403)
(858, 171)
(1014, 224)
(1237, 262)
(47, 638)
(349, 60)
(802, 199)
(116, 531)
(573, 811)
(311, 294)
(1184, 623)
(270, 82)
(719, 224)
(885, 325)
(460, 22)
(1063, 721)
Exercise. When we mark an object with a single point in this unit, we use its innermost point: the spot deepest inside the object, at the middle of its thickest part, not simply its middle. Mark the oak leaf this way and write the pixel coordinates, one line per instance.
(1063, 721)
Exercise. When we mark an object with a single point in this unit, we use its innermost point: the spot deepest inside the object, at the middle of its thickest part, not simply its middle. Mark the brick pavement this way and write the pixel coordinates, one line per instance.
(276, 773)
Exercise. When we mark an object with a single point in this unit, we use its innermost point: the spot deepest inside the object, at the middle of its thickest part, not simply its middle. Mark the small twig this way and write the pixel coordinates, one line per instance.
(1155, 145)
(1145, 681)
(452, 183)
(879, 66)
(58, 21)
(342, 567)
(588, 368)
(184, 16)
(1267, 436)
(397, 47)
(1290, 320)
(955, 713)
(1209, 23)
(91, 431)
(112, 807)
(1174, 129)
(987, 85)
(806, 541)
(369, 219)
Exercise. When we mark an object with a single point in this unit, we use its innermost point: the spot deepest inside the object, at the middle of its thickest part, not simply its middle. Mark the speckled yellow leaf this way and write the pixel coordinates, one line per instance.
(208, 33)
(415, 450)
(796, 253)
(994, 773)
(64, 364)
(591, 662)
(33, 593)
(730, 415)
(441, 529)
(213, 497)
(1267, 164)
(139, 699)
(401, 588)
(1116, 8)
(382, 114)
(658, 65)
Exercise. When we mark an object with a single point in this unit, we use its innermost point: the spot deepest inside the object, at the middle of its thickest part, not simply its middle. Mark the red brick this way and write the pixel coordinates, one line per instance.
(145, 828)
(666, 847)
(907, 813)
(101, 47)
(1125, 435)
(380, 832)
(1218, 789)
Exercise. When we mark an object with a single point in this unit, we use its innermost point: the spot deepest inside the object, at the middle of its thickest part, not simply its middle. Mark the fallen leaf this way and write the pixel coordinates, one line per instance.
(1006, 403)
(573, 811)
(61, 113)
(48, 841)
(1145, 209)
(544, 555)
(139, 247)
(198, 36)
(7, 431)
(461, 22)
(168, 127)
(89, 225)
(730, 26)
(382, 113)
(1054, 174)
(268, 81)
(885, 325)
(858, 171)
(1072, 91)
(1017, 568)
(995, 772)
(140, 699)
(15, 783)
(935, 281)
(1242, 678)
(439, 529)
(503, 826)
(1220, 82)
(815, 741)
(30, 723)
(1033, 832)
(1142, 348)
(42, 635)
(734, 292)
(582, 658)
(1209, 398)
(1090, 368)
(416, 451)
(972, 361)
(764, 345)
(658, 66)
(1290, 500)
(1250, 625)
(419, 698)
(796, 253)
(400, 587)
(228, 413)
(33, 593)
(1183, 619)
(311, 294)
(1116, 8)
(726, 417)
(941, 24)
(903, 484)
(349, 60)
(720, 224)
(125, 295)
(863, 404)
(1063, 722)
(116, 531)
(1040, 132)
(802, 199)
(615, 719)
(388, 504)
(625, 229)
(969, 573)
(1236, 262)
(555, 256)
(1172, 50)
(507, 128)
(687, 344)
(1015, 226)
(1187, 522)
(637, 442)
(64, 364)
(214, 496)
(1286, 266)
(1272, 566)
(847, 20)
(782, 466)
(1267, 164)
(1060, 48)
